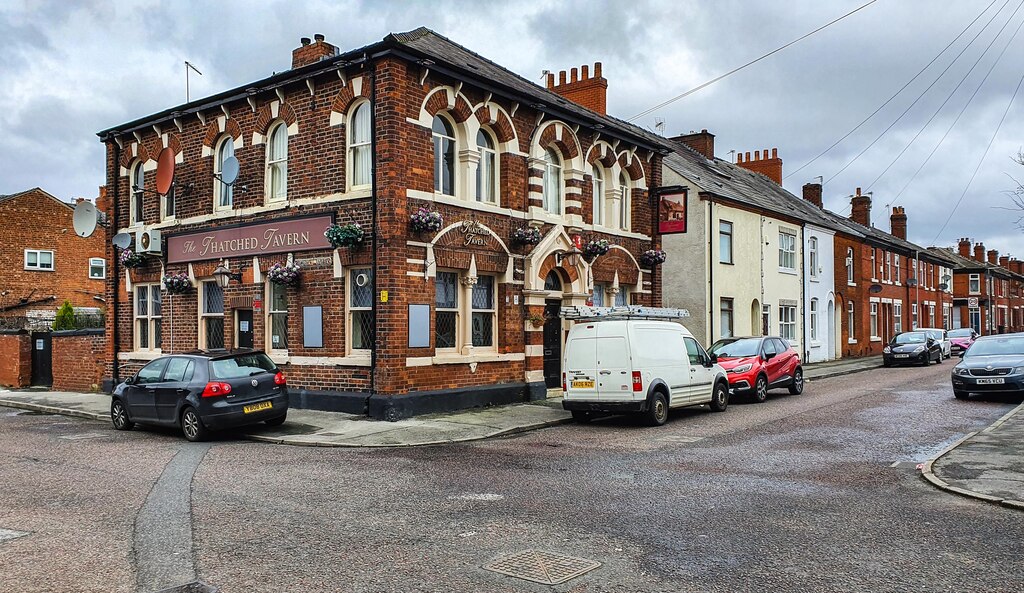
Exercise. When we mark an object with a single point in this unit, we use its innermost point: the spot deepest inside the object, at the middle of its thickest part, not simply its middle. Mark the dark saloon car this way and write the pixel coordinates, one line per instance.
(203, 391)
(992, 363)
(913, 347)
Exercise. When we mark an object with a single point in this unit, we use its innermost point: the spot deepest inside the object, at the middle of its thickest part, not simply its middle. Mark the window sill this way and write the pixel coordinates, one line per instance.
(815, 344)
(38, 270)
(358, 359)
(876, 338)
(140, 355)
(851, 341)
(814, 279)
(455, 358)
(788, 271)
(851, 284)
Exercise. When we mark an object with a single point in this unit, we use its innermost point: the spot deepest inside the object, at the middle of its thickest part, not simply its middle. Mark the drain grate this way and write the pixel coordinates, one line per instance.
(9, 534)
(546, 568)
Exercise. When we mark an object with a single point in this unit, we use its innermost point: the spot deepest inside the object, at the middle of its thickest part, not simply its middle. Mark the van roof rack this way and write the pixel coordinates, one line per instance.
(586, 313)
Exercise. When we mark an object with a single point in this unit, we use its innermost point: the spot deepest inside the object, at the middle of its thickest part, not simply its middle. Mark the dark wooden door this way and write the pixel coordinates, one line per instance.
(42, 359)
(243, 328)
(552, 344)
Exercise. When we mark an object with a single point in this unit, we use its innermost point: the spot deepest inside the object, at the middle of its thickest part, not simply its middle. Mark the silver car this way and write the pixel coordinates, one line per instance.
(940, 336)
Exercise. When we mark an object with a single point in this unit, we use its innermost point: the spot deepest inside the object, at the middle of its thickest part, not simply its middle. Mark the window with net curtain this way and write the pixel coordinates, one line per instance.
(598, 179)
(483, 312)
(361, 308)
(278, 314)
(225, 192)
(626, 197)
(487, 169)
(444, 156)
(277, 162)
(446, 309)
(359, 147)
(552, 187)
(213, 315)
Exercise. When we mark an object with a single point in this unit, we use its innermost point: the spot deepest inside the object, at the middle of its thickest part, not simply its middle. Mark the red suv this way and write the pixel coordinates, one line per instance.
(755, 365)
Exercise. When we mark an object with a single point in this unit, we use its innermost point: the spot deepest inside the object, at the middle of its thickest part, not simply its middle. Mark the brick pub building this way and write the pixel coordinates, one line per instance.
(411, 320)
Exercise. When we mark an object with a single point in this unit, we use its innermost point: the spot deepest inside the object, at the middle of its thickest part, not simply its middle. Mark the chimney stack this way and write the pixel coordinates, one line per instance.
(311, 52)
(860, 209)
(702, 141)
(770, 167)
(993, 257)
(103, 201)
(964, 247)
(1004, 261)
(586, 91)
(812, 193)
(898, 222)
(979, 252)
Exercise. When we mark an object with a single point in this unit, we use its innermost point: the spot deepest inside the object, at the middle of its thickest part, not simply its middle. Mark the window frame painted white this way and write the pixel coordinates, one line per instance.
(38, 265)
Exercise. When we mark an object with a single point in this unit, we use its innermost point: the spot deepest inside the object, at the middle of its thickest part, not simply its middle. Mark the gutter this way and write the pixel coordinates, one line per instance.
(112, 316)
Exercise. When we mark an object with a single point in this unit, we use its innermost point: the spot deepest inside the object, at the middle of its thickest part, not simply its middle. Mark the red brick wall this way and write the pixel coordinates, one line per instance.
(78, 360)
(35, 220)
(15, 360)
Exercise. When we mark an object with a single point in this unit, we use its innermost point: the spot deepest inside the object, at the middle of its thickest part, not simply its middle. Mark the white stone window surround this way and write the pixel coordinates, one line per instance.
(151, 314)
(223, 194)
(276, 171)
(359, 151)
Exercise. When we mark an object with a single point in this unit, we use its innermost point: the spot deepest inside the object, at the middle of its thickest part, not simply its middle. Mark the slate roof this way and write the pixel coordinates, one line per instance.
(962, 263)
(16, 195)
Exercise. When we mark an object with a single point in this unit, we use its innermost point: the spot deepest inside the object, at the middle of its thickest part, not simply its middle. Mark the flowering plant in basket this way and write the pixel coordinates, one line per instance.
(345, 235)
(130, 259)
(596, 247)
(652, 257)
(424, 220)
(177, 283)
(284, 274)
(526, 236)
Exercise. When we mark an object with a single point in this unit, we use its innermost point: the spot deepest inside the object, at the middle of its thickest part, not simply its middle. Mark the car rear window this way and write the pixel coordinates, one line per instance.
(241, 365)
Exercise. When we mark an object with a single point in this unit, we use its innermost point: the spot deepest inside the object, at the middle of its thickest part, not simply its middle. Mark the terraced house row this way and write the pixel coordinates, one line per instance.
(398, 226)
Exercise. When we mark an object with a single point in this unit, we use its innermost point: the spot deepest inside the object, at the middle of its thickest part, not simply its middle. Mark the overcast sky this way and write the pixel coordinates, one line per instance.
(70, 69)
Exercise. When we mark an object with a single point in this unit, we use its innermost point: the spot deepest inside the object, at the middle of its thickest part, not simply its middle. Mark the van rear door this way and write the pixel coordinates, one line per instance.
(581, 363)
(614, 378)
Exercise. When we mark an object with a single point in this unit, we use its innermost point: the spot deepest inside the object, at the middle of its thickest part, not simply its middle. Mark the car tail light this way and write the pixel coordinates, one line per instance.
(638, 381)
(216, 388)
(279, 378)
(563, 382)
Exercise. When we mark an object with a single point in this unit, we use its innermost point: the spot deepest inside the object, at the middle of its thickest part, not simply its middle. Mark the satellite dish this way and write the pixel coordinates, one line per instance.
(943, 286)
(85, 219)
(875, 288)
(229, 170)
(911, 282)
(164, 171)
(122, 240)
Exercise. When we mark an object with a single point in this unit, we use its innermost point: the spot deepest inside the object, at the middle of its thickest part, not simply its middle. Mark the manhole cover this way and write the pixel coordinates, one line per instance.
(7, 534)
(546, 568)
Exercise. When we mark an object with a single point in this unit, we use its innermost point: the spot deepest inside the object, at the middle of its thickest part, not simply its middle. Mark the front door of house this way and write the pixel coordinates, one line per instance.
(243, 328)
(552, 344)
(42, 359)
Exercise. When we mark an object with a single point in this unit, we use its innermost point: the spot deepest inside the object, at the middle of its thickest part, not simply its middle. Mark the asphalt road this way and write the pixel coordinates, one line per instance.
(797, 494)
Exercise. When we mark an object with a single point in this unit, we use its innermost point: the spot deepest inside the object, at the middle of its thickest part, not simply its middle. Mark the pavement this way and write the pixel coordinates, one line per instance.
(314, 428)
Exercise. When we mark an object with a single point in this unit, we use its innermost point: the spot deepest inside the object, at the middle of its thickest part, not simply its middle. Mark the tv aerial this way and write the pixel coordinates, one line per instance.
(85, 219)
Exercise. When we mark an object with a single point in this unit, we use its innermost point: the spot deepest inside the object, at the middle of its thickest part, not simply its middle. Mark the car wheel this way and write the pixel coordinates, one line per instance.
(192, 427)
(657, 413)
(119, 416)
(939, 359)
(760, 389)
(719, 397)
(960, 394)
(797, 386)
(886, 364)
(277, 421)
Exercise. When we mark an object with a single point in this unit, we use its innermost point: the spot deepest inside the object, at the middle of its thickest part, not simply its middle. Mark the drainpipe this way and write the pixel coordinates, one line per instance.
(115, 224)
(711, 273)
(373, 223)
(805, 302)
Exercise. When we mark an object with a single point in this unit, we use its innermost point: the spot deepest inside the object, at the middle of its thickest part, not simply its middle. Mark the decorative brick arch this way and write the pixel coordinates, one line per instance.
(349, 94)
(566, 272)
(444, 98)
(127, 156)
(494, 118)
(558, 135)
(601, 153)
(265, 117)
(633, 167)
(618, 259)
(214, 131)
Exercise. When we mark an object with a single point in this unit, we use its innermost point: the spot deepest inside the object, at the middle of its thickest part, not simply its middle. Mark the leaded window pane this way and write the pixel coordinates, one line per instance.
(279, 331)
(446, 290)
(157, 336)
(143, 328)
(214, 332)
(156, 297)
(362, 330)
(444, 329)
(213, 298)
(621, 298)
(483, 329)
(483, 293)
(142, 301)
(362, 296)
(598, 295)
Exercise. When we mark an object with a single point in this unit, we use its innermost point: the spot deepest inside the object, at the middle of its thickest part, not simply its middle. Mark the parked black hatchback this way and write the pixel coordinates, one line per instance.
(203, 391)
(913, 347)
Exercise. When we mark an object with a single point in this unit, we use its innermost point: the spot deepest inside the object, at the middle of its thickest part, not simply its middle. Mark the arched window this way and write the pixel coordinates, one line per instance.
(812, 256)
(138, 181)
(849, 266)
(552, 281)
(223, 193)
(360, 158)
(552, 182)
(444, 156)
(598, 175)
(277, 163)
(626, 196)
(487, 170)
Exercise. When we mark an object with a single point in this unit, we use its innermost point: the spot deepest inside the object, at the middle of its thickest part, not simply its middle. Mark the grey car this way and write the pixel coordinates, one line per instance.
(991, 364)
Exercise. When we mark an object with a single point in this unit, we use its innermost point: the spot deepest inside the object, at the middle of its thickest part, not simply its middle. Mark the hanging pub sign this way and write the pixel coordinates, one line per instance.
(281, 236)
(672, 210)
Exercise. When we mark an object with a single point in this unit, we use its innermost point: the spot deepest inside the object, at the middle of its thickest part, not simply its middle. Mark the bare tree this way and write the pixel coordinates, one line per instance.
(1017, 193)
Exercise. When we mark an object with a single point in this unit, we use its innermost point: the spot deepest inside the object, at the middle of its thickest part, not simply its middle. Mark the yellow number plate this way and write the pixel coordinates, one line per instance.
(257, 407)
(582, 384)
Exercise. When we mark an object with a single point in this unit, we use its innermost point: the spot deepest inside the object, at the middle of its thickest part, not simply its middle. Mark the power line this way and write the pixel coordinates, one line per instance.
(750, 63)
(958, 116)
(956, 88)
(919, 97)
(889, 100)
(976, 169)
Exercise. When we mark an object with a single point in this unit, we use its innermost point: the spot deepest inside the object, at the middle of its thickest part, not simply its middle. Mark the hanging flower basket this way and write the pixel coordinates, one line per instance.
(177, 283)
(284, 274)
(130, 259)
(526, 236)
(595, 248)
(652, 257)
(345, 235)
(426, 221)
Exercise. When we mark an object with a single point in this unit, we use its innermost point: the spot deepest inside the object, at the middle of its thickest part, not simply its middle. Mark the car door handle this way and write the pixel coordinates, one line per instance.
(182, 390)
(606, 372)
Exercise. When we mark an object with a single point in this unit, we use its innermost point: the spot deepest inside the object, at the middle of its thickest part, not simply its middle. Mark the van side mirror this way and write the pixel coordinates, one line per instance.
(712, 359)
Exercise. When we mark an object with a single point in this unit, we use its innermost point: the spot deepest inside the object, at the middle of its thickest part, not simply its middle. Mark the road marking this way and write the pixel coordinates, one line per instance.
(9, 534)
(681, 439)
(483, 496)
(83, 436)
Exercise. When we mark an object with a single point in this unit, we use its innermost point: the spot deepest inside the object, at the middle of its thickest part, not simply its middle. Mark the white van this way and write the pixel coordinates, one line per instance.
(638, 366)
